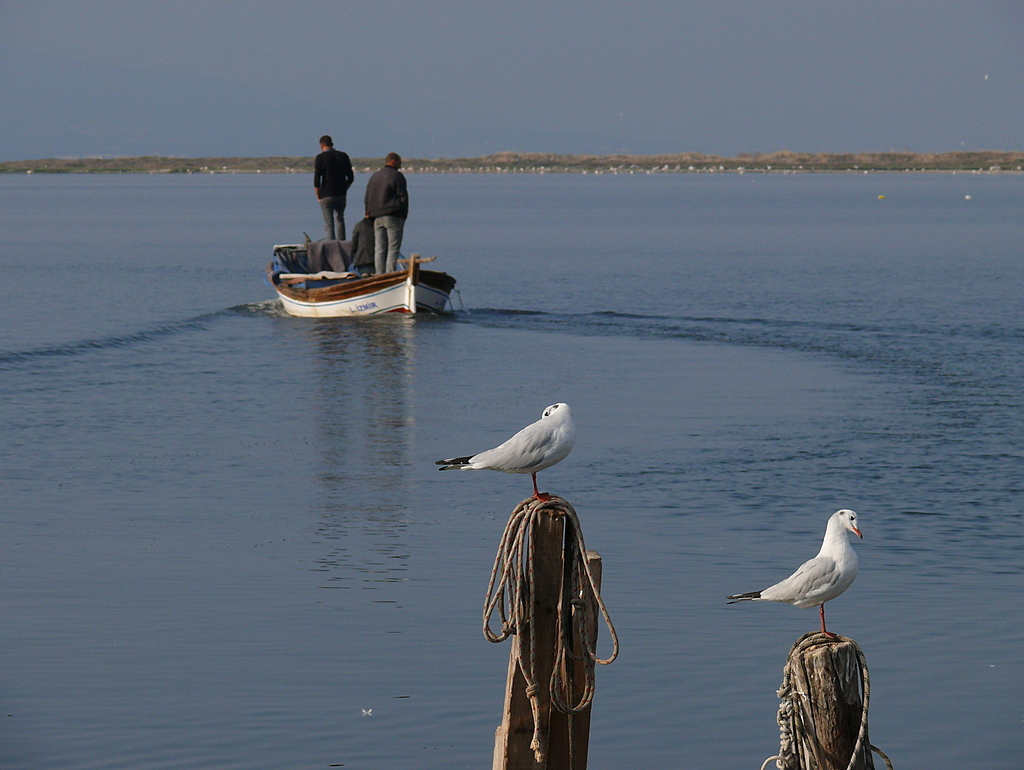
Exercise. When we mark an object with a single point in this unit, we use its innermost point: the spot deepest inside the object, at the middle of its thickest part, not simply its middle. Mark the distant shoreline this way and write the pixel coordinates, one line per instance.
(537, 163)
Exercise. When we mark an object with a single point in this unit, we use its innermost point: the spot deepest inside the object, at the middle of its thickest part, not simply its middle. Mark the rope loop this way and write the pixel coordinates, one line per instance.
(792, 729)
(510, 593)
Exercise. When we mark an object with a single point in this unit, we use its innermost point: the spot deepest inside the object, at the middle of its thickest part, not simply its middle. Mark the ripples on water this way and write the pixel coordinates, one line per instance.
(226, 544)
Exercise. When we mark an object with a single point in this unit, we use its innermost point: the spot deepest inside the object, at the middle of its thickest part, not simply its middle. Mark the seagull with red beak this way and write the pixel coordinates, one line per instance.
(822, 578)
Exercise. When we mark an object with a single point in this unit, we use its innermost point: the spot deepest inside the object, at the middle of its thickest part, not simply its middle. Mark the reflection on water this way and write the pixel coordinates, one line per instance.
(361, 401)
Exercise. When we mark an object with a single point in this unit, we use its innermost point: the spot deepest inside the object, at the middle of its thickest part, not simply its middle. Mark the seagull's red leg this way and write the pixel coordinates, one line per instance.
(829, 634)
(544, 496)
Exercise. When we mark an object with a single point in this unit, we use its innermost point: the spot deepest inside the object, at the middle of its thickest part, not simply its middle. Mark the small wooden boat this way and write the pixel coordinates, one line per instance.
(328, 294)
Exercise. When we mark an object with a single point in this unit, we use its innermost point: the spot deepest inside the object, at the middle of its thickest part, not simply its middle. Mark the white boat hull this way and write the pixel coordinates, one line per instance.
(393, 299)
(329, 295)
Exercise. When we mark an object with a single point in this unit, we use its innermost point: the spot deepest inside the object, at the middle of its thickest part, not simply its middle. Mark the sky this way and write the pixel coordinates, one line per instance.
(457, 78)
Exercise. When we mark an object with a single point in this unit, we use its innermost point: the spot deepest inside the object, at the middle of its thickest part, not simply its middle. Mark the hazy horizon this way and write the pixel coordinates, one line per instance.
(113, 78)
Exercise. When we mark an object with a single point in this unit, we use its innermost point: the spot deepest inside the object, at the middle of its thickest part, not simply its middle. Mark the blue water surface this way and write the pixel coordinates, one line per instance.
(225, 543)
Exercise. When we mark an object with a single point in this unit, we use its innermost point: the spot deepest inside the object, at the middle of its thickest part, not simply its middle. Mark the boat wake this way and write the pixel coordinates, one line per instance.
(15, 358)
(880, 346)
(268, 308)
(750, 331)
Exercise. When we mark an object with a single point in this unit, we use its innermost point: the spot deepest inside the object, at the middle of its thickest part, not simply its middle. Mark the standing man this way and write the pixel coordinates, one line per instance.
(332, 176)
(387, 201)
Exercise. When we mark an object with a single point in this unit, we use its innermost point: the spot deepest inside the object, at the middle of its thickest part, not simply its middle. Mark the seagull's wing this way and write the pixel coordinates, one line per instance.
(454, 463)
(530, 447)
(811, 584)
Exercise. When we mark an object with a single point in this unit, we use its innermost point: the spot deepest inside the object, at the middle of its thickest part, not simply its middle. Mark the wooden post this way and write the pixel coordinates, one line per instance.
(570, 733)
(563, 738)
(827, 694)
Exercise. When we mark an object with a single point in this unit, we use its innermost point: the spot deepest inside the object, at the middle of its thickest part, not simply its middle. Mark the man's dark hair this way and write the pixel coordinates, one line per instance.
(326, 140)
(391, 157)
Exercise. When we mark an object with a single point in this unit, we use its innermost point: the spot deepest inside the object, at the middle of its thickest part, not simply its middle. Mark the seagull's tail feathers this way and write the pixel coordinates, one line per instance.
(743, 597)
(454, 464)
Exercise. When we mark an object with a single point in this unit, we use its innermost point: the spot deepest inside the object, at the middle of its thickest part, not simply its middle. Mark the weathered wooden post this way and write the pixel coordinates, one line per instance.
(823, 717)
(569, 743)
(553, 603)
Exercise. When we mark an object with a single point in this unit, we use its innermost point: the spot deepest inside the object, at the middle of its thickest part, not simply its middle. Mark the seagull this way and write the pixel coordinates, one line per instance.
(822, 578)
(534, 448)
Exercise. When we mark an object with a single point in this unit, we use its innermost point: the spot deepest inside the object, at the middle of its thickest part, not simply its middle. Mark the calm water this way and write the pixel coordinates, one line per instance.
(225, 544)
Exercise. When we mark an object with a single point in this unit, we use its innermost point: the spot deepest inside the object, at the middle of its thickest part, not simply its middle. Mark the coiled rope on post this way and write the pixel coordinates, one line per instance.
(511, 593)
(790, 718)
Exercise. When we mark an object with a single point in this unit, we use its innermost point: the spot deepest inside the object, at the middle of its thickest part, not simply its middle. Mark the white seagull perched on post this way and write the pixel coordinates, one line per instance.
(822, 578)
(534, 448)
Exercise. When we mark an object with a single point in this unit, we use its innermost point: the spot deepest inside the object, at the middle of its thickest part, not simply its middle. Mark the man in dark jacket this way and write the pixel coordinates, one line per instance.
(387, 202)
(332, 176)
(363, 247)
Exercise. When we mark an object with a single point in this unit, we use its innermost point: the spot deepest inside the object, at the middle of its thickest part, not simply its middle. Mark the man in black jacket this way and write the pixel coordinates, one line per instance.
(332, 176)
(362, 247)
(387, 202)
